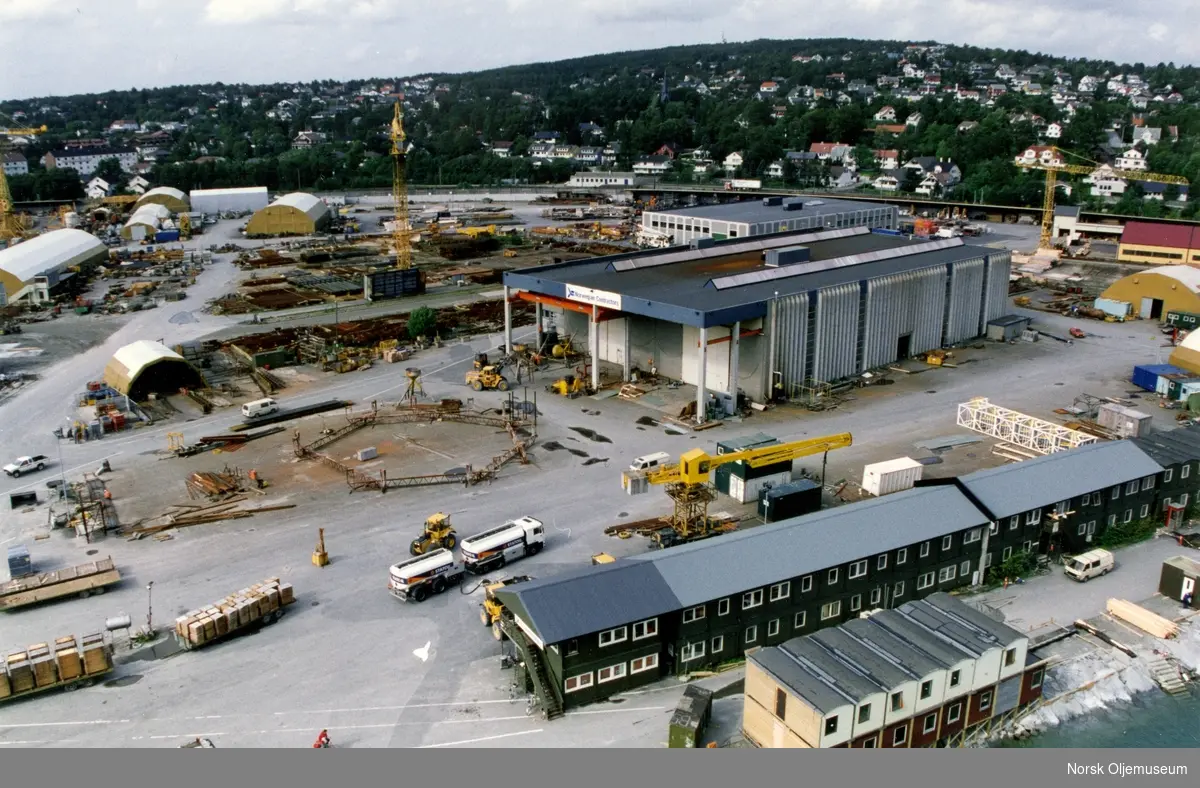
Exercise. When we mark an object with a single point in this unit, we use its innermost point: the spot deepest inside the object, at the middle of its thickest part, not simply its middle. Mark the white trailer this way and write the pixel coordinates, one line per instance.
(497, 546)
(415, 579)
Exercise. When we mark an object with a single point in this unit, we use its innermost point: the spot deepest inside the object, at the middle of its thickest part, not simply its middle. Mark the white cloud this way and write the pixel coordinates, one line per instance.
(240, 12)
(27, 10)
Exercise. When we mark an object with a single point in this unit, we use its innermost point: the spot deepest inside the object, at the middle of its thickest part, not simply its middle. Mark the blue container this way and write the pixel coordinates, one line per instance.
(166, 236)
(1146, 376)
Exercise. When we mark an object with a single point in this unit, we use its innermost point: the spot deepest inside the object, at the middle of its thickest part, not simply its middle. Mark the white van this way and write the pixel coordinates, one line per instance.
(260, 408)
(1085, 566)
(650, 461)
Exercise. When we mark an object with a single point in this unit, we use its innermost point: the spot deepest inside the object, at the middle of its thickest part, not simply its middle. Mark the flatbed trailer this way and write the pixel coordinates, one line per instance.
(69, 684)
(246, 611)
(68, 664)
(82, 580)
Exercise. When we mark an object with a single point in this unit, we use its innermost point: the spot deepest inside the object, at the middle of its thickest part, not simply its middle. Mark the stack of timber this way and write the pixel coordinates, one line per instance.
(261, 603)
(39, 668)
(214, 485)
(183, 515)
(1142, 618)
(83, 580)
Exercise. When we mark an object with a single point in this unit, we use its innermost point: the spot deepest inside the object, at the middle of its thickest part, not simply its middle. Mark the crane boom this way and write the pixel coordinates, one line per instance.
(11, 226)
(695, 465)
(401, 229)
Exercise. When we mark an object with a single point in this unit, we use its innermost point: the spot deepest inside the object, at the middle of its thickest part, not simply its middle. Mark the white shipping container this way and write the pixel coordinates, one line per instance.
(882, 478)
(1125, 422)
(746, 490)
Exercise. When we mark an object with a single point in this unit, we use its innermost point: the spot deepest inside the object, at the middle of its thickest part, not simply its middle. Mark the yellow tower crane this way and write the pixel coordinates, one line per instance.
(1057, 162)
(687, 481)
(11, 225)
(401, 229)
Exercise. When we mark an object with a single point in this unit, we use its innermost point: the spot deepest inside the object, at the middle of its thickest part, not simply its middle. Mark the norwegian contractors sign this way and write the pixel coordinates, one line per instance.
(601, 298)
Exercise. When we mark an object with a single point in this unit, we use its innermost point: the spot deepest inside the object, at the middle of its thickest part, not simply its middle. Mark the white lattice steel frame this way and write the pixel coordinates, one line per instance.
(1043, 437)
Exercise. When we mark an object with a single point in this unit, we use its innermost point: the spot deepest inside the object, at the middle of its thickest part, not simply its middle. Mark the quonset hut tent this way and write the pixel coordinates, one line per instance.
(297, 213)
(145, 221)
(30, 270)
(174, 200)
(144, 367)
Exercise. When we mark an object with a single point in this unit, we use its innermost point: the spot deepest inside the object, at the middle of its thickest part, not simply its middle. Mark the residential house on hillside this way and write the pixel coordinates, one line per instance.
(1132, 159)
(768, 88)
(501, 148)
(138, 184)
(891, 128)
(1054, 131)
(547, 136)
(652, 165)
(15, 164)
(118, 126)
(588, 155)
(669, 149)
(931, 165)
(913, 120)
(1040, 154)
(886, 114)
(541, 150)
(886, 183)
(732, 162)
(1147, 134)
(1105, 182)
(887, 158)
(98, 188)
(309, 139)
(1158, 191)
(830, 151)
(589, 130)
(796, 157)
(967, 125)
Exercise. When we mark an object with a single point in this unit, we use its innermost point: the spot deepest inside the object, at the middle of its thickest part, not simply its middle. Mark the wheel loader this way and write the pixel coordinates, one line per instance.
(438, 533)
(488, 377)
(490, 609)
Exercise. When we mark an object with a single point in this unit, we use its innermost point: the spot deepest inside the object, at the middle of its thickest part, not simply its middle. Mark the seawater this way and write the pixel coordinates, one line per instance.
(1151, 719)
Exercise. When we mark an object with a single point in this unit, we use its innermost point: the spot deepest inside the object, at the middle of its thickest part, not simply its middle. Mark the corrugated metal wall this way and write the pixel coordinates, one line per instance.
(909, 303)
(791, 339)
(964, 307)
(835, 346)
(995, 294)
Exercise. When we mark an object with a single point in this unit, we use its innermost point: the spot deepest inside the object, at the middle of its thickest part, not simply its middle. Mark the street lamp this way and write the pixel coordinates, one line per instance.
(149, 608)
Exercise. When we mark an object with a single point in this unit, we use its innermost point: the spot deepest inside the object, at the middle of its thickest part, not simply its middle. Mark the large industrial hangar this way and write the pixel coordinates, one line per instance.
(215, 201)
(31, 270)
(771, 314)
(144, 367)
(751, 218)
(173, 200)
(297, 213)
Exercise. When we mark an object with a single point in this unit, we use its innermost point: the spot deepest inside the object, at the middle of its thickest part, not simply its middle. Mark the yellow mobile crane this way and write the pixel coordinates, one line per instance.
(11, 225)
(401, 229)
(1059, 164)
(687, 482)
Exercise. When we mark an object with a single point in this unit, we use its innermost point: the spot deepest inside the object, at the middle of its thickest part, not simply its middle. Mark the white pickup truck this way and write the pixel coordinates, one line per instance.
(26, 465)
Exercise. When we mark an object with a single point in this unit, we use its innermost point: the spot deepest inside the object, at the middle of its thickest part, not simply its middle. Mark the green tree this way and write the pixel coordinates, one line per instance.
(110, 170)
(864, 158)
(422, 322)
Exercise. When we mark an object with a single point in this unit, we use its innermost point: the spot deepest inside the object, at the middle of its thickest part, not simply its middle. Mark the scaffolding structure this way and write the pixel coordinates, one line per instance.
(1027, 432)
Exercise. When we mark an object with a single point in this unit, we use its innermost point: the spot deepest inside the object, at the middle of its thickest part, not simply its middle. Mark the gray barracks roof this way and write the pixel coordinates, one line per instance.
(679, 284)
(958, 622)
(757, 557)
(1172, 447)
(1030, 484)
(888, 675)
(906, 654)
(754, 212)
(817, 690)
(593, 599)
(896, 624)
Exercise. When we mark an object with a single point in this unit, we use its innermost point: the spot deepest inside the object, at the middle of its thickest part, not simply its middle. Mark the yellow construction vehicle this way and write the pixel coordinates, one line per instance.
(438, 533)
(320, 557)
(564, 349)
(687, 482)
(185, 227)
(488, 377)
(510, 252)
(570, 386)
(490, 608)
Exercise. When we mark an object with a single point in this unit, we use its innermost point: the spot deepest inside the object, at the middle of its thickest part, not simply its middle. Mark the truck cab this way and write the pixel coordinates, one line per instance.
(497, 546)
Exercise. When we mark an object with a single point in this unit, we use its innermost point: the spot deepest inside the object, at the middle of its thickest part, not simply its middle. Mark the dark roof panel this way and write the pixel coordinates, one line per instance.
(1030, 484)
(1172, 447)
(822, 695)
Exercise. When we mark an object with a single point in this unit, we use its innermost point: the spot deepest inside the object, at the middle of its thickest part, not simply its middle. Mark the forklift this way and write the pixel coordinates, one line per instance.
(438, 533)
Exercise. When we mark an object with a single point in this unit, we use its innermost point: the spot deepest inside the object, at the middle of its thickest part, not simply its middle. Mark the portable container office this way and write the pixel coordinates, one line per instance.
(743, 483)
(1125, 422)
(1164, 382)
(1146, 376)
(1108, 306)
(1180, 576)
(1188, 320)
(785, 501)
(882, 478)
(1177, 384)
(1007, 328)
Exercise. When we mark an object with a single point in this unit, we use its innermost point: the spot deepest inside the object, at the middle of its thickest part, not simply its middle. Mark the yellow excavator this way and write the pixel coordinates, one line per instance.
(438, 533)
(687, 482)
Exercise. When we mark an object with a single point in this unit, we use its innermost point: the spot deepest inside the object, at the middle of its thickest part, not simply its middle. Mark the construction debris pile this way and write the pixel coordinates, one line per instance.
(184, 515)
(37, 668)
(217, 486)
(261, 602)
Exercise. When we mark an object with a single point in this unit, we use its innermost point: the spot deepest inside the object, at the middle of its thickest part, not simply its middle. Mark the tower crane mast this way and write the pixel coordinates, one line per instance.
(401, 228)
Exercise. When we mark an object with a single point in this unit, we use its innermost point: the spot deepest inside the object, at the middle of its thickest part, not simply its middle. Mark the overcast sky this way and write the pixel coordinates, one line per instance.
(55, 47)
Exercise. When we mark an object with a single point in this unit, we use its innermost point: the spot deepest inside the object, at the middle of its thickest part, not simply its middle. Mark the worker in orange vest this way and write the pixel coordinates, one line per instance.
(322, 741)
(254, 478)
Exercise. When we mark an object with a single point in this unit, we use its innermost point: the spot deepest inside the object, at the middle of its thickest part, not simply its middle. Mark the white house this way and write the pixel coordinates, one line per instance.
(15, 164)
(85, 160)
(886, 183)
(138, 185)
(1054, 131)
(732, 162)
(1105, 183)
(1147, 134)
(1132, 159)
(652, 165)
(97, 188)
(769, 88)
(123, 125)
(887, 159)
(1040, 154)
(914, 120)
(886, 114)
(501, 149)
(308, 139)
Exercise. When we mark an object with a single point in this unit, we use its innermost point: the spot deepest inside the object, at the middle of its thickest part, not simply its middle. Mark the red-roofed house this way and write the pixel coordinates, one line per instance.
(891, 128)
(1160, 243)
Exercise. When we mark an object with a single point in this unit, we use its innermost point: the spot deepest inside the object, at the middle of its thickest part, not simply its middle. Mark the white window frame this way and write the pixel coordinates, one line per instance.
(1086, 499)
(772, 627)
(751, 634)
(613, 637)
(697, 613)
(881, 562)
(1112, 520)
(947, 573)
(617, 671)
(993, 528)
(970, 537)
(832, 577)
(806, 584)
(947, 542)
(718, 644)
(799, 619)
(649, 629)
(985, 701)
(876, 595)
(1116, 492)
(901, 555)
(954, 713)
(1168, 474)
(690, 653)
(926, 580)
(930, 723)
(1131, 488)
(924, 551)
(1082, 529)
(1014, 522)
(1006, 554)
(1129, 515)
(580, 683)
(834, 608)
(752, 599)
(1185, 471)
(898, 591)
(1183, 499)
(900, 735)
(1145, 510)
(964, 569)
(723, 607)
(857, 569)
(856, 603)
(1034, 517)
(781, 591)
(1035, 680)
(1148, 483)
(649, 662)
(1010, 657)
